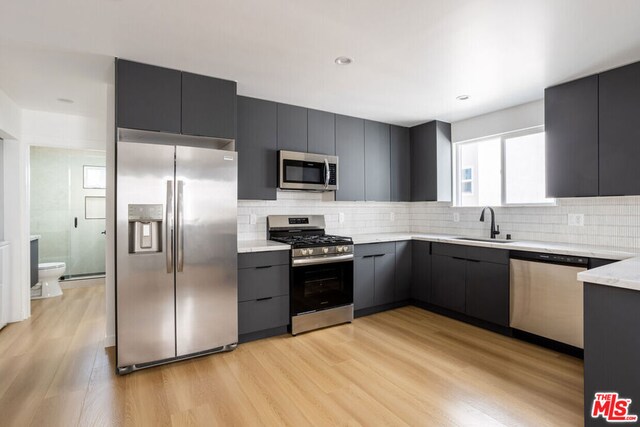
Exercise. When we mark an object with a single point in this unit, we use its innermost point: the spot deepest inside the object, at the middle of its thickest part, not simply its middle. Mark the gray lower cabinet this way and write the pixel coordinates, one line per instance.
(571, 138)
(420, 270)
(263, 294)
(448, 282)
(292, 128)
(471, 280)
(322, 132)
(374, 275)
(257, 147)
(350, 151)
(431, 162)
(403, 270)
(611, 346)
(487, 291)
(619, 131)
(400, 164)
(377, 166)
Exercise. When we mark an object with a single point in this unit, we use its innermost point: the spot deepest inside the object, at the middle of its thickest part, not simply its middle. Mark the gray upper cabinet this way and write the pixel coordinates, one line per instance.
(350, 151)
(257, 149)
(619, 113)
(571, 128)
(400, 164)
(431, 162)
(322, 132)
(292, 128)
(377, 154)
(147, 97)
(208, 106)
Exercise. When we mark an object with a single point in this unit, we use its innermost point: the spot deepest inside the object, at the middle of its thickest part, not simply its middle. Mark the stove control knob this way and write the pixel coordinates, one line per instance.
(339, 249)
(310, 251)
(304, 251)
(325, 250)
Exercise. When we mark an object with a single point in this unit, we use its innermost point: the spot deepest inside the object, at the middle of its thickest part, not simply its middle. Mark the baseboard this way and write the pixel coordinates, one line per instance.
(377, 309)
(109, 341)
(81, 283)
(252, 336)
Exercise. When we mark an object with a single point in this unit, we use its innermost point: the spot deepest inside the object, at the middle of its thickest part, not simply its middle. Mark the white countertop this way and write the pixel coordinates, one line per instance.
(623, 274)
(263, 245)
(516, 245)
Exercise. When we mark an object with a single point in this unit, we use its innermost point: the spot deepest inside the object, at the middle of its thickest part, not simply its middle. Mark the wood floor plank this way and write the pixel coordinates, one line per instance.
(402, 367)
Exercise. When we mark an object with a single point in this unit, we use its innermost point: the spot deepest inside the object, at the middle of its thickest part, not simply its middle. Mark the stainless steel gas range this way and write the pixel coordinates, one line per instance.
(321, 279)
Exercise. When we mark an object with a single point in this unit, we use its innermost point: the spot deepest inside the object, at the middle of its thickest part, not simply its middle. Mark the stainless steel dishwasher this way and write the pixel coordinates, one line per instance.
(546, 296)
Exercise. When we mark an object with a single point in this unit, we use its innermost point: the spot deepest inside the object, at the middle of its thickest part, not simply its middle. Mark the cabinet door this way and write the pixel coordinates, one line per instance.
(448, 282)
(147, 97)
(267, 313)
(322, 132)
(292, 128)
(208, 106)
(364, 279)
(400, 164)
(350, 151)
(571, 133)
(619, 131)
(257, 149)
(377, 154)
(431, 162)
(385, 279)
(487, 292)
(403, 271)
(421, 271)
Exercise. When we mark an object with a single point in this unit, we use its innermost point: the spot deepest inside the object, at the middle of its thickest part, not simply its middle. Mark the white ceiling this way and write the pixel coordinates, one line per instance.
(411, 57)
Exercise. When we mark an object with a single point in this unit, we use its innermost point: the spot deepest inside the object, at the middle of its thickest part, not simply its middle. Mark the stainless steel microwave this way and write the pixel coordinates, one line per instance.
(307, 171)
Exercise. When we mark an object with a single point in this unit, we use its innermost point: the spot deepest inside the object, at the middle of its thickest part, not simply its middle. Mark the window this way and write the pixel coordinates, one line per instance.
(503, 170)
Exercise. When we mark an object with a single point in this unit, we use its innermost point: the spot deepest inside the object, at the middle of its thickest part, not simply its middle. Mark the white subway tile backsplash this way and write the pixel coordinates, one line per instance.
(609, 221)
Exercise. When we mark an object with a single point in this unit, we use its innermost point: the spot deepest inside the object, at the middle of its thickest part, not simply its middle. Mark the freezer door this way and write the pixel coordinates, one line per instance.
(206, 243)
(144, 281)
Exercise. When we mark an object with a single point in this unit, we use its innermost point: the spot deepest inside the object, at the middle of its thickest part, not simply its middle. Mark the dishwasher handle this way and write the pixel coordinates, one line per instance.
(550, 258)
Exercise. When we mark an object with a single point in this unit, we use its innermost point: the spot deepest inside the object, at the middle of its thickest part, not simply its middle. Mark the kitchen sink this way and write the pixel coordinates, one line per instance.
(480, 239)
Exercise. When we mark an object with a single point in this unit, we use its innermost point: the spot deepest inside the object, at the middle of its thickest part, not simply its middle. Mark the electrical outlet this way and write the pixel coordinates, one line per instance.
(576, 220)
(341, 217)
(392, 216)
(456, 217)
(252, 219)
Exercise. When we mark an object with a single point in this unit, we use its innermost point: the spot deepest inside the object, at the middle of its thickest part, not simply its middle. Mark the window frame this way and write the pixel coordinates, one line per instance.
(503, 167)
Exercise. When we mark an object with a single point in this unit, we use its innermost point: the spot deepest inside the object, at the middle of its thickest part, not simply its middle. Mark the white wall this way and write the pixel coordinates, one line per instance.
(16, 203)
(42, 128)
(510, 119)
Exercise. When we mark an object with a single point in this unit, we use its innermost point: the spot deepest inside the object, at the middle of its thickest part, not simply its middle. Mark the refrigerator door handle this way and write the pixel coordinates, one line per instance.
(180, 224)
(169, 227)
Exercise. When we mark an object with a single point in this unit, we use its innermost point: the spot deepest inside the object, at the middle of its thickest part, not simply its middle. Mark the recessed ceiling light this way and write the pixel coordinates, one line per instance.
(462, 97)
(66, 100)
(343, 60)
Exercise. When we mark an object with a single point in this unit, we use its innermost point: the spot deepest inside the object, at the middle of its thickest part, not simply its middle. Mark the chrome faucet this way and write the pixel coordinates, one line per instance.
(495, 229)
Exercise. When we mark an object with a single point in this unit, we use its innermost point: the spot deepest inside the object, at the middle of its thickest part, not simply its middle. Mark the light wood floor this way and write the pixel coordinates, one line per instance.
(402, 367)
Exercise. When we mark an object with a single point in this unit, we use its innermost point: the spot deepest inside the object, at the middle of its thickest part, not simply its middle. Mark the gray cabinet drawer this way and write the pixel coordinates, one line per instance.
(446, 249)
(375, 249)
(262, 259)
(262, 282)
(498, 256)
(258, 315)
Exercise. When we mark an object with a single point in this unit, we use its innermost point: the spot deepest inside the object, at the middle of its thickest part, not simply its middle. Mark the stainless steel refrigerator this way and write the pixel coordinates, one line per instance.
(176, 253)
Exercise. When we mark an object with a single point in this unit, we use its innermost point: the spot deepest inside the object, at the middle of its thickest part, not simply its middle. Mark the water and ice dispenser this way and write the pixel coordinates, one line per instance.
(145, 228)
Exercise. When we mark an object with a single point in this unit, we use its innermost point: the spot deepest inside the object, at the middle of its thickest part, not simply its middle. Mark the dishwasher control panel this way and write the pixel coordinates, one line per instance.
(552, 258)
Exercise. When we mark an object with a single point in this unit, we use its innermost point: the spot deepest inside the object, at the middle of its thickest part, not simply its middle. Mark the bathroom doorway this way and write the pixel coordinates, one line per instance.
(67, 210)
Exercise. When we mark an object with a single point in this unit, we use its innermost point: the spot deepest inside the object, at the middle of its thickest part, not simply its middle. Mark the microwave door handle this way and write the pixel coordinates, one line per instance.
(327, 174)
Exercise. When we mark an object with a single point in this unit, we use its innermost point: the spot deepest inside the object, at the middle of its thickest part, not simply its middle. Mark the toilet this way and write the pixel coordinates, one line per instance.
(48, 275)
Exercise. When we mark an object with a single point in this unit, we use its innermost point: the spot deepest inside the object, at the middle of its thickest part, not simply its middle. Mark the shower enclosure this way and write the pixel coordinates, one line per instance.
(68, 208)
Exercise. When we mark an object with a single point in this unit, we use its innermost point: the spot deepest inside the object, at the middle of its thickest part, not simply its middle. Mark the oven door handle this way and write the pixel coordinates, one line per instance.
(328, 260)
